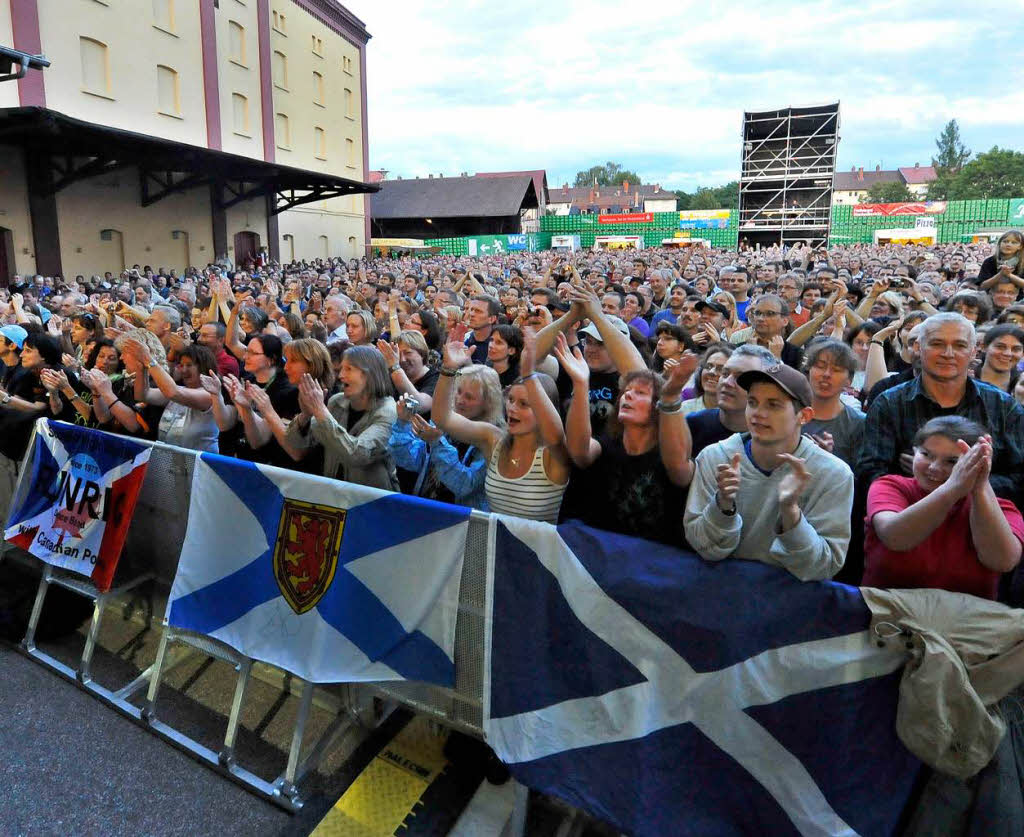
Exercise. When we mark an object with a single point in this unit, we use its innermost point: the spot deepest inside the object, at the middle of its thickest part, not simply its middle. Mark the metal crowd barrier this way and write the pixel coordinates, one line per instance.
(151, 553)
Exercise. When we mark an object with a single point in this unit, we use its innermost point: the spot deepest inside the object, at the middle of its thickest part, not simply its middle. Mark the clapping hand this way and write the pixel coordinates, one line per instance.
(259, 399)
(311, 397)
(426, 430)
(211, 383)
(389, 351)
(823, 440)
(677, 375)
(793, 484)
(456, 353)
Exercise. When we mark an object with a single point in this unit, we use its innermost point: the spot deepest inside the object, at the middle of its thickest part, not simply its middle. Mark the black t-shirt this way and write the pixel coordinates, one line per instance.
(508, 377)
(631, 495)
(706, 428)
(428, 383)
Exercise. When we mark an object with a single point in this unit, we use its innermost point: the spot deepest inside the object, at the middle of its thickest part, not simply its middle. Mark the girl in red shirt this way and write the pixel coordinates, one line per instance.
(944, 527)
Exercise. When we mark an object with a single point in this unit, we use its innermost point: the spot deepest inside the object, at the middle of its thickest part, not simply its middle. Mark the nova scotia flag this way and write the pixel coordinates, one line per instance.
(331, 581)
(672, 696)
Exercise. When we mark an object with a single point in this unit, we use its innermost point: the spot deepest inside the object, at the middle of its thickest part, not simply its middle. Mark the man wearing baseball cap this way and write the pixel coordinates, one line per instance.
(772, 494)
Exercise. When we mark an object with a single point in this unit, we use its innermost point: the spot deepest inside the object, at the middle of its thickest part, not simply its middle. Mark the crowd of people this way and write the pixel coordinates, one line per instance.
(846, 412)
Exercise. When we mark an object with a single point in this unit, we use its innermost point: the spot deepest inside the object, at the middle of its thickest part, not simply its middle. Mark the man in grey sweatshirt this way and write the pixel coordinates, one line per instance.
(773, 495)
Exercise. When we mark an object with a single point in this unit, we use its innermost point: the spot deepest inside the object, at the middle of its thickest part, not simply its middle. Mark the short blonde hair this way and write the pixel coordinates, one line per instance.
(415, 341)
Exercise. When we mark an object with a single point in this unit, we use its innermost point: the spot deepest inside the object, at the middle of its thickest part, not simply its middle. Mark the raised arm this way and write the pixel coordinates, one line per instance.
(674, 440)
(583, 448)
(620, 348)
(479, 433)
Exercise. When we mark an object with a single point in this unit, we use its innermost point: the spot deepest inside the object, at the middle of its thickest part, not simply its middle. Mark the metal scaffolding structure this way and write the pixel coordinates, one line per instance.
(789, 161)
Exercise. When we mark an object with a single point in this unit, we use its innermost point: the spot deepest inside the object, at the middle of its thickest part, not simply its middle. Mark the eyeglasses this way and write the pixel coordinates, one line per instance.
(714, 369)
(762, 313)
(249, 351)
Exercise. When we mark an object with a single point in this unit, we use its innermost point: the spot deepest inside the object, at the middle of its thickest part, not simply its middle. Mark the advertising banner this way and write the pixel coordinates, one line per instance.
(1016, 211)
(885, 210)
(704, 219)
(627, 218)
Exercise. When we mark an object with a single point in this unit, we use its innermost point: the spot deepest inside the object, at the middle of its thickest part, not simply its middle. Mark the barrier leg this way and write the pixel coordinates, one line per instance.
(286, 783)
(227, 754)
(29, 642)
(148, 713)
(84, 672)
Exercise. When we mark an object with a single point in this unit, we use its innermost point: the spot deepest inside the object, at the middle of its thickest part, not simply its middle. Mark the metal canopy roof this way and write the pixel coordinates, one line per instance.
(80, 150)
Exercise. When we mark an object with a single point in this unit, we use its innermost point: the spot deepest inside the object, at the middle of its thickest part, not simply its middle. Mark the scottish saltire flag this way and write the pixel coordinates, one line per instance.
(331, 581)
(672, 696)
(76, 499)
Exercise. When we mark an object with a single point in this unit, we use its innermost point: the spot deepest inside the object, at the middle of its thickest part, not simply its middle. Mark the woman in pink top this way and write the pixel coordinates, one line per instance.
(944, 527)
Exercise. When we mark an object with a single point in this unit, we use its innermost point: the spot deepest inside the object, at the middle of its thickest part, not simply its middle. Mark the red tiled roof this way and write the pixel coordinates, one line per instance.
(918, 174)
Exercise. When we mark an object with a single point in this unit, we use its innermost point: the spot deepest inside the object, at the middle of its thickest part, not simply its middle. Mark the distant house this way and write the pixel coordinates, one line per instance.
(852, 187)
(624, 198)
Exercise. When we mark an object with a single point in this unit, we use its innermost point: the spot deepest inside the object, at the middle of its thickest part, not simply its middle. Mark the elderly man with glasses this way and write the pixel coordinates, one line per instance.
(768, 316)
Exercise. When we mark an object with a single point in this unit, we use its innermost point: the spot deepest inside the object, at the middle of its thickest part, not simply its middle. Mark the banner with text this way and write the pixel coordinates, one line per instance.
(627, 218)
(885, 210)
(77, 498)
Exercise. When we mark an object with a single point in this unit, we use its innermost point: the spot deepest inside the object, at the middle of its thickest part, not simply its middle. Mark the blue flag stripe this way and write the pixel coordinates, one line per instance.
(352, 610)
(250, 484)
(212, 607)
(392, 520)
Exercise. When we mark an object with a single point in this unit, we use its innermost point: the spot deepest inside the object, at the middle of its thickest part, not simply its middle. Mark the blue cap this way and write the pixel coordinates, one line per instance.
(15, 333)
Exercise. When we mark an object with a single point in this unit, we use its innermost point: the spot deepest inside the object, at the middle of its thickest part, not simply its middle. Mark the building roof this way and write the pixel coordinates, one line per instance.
(89, 149)
(861, 180)
(454, 197)
(918, 174)
(540, 178)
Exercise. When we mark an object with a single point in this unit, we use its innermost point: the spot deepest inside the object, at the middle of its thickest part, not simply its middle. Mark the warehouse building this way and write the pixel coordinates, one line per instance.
(174, 132)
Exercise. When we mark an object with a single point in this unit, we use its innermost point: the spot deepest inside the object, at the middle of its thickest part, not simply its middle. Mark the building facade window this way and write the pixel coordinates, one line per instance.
(240, 111)
(349, 104)
(318, 88)
(350, 153)
(325, 247)
(163, 14)
(280, 70)
(236, 42)
(318, 46)
(346, 64)
(283, 131)
(95, 66)
(168, 88)
(319, 143)
(280, 23)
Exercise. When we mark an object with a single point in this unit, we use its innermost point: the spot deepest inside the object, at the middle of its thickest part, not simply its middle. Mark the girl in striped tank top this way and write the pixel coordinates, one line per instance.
(527, 463)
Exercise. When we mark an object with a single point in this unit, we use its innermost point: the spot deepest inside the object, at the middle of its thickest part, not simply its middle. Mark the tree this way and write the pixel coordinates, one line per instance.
(892, 192)
(952, 152)
(998, 173)
(610, 174)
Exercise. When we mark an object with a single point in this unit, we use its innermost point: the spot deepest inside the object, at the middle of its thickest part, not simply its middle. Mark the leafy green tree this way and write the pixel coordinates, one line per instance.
(953, 154)
(893, 192)
(998, 173)
(610, 174)
(705, 198)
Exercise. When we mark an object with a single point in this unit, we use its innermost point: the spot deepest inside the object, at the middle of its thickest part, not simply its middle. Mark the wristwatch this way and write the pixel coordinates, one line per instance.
(727, 512)
(394, 367)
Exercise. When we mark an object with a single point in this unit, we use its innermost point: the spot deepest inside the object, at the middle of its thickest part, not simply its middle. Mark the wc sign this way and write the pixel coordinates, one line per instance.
(517, 242)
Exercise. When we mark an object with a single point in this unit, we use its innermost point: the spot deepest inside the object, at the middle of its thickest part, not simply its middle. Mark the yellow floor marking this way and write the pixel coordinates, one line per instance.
(384, 794)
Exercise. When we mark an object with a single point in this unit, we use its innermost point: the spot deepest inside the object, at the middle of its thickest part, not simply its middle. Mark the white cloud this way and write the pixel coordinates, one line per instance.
(661, 87)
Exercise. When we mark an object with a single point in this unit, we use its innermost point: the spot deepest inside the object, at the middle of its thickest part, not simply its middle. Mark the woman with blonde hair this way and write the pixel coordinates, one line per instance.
(527, 462)
(361, 328)
(411, 375)
(447, 470)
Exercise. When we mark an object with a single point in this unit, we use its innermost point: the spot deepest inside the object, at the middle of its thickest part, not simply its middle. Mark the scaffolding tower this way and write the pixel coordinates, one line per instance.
(789, 162)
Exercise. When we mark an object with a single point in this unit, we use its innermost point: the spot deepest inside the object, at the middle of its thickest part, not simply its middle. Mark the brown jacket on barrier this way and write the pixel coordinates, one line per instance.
(966, 655)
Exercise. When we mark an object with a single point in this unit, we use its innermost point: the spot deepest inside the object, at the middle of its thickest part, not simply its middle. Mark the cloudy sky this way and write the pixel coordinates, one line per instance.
(660, 86)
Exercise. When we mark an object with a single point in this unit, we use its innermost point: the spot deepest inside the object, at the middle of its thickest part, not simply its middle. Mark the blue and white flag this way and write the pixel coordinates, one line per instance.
(331, 581)
(673, 696)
